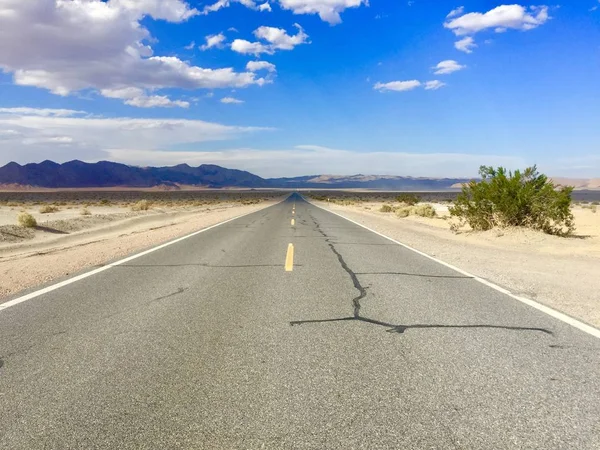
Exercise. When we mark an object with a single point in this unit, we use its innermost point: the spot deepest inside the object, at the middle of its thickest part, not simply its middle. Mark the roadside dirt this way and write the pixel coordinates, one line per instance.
(38, 256)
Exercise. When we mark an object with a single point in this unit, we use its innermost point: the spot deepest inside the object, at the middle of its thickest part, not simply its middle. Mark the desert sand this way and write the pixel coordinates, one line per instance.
(563, 273)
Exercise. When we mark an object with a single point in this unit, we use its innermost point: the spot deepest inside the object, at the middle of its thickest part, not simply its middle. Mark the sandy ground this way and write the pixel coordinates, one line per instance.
(66, 242)
(563, 273)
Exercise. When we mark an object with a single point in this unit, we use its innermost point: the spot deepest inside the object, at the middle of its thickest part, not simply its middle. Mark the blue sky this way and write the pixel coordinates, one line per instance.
(349, 87)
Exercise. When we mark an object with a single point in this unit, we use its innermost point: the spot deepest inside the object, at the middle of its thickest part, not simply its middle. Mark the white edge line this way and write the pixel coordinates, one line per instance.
(545, 309)
(45, 290)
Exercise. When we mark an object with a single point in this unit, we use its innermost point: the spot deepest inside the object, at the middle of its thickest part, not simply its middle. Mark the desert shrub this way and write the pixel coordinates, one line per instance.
(104, 202)
(27, 220)
(142, 205)
(525, 199)
(424, 211)
(85, 212)
(404, 211)
(47, 209)
(386, 209)
(408, 199)
(596, 203)
(594, 208)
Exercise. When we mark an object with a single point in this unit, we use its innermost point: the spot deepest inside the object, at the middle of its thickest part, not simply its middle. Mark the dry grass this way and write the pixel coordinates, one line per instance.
(47, 209)
(85, 212)
(424, 211)
(142, 205)
(386, 209)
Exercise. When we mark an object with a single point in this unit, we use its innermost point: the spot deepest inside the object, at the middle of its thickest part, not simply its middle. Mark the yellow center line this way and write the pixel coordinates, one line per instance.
(293, 212)
(289, 259)
(293, 222)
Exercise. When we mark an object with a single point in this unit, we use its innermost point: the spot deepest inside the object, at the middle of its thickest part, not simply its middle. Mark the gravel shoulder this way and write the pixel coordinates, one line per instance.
(83, 243)
(563, 273)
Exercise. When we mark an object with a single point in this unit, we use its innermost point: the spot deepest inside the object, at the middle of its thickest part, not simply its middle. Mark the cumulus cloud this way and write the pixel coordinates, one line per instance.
(112, 49)
(500, 19)
(28, 134)
(448, 66)
(231, 100)
(398, 86)
(466, 44)
(214, 40)
(328, 10)
(255, 66)
(434, 85)
(264, 7)
(276, 39)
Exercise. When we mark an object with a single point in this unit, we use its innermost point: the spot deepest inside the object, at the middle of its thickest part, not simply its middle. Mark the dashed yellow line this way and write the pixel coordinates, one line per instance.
(289, 259)
(293, 222)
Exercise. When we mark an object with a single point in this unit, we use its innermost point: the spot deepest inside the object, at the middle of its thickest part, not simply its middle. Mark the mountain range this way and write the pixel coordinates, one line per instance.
(106, 174)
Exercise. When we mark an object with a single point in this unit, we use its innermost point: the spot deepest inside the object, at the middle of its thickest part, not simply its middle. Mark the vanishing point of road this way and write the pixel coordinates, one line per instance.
(291, 328)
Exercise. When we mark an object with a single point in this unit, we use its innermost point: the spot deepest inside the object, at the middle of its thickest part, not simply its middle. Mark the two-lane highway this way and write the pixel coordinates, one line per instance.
(291, 328)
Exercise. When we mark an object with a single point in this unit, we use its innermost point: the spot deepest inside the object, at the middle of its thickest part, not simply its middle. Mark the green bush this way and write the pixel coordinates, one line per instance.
(386, 209)
(524, 199)
(404, 211)
(27, 220)
(424, 211)
(408, 199)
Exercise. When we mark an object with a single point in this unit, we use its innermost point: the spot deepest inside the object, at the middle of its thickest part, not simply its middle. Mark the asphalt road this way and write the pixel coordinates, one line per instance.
(211, 343)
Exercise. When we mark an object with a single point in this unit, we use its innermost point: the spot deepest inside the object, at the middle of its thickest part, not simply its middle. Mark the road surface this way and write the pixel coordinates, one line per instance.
(225, 340)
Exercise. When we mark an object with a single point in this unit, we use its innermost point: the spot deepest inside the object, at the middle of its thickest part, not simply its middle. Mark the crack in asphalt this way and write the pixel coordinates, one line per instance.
(359, 287)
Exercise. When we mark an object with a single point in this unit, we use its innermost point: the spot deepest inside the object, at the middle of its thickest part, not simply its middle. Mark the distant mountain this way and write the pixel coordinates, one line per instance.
(378, 182)
(78, 174)
(104, 174)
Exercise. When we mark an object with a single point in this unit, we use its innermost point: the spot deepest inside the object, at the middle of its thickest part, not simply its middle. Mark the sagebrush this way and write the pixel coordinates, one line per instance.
(522, 199)
(408, 199)
(27, 220)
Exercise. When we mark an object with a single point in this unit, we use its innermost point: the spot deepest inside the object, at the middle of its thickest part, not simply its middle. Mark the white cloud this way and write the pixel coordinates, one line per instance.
(328, 10)
(154, 101)
(250, 48)
(434, 85)
(279, 39)
(220, 4)
(276, 38)
(43, 112)
(231, 100)
(27, 134)
(466, 44)
(312, 159)
(190, 46)
(456, 12)
(398, 86)
(68, 46)
(255, 66)
(501, 18)
(448, 66)
(213, 40)
(137, 97)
